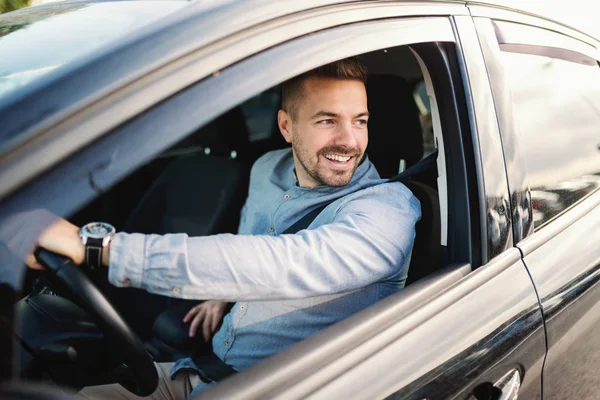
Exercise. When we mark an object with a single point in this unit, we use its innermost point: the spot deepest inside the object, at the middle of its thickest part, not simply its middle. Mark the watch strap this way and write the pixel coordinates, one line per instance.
(93, 253)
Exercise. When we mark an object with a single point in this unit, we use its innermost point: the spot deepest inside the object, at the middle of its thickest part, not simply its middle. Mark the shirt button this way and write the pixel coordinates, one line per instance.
(176, 290)
(286, 196)
(271, 229)
(126, 281)
(227, 343)
(242, 308)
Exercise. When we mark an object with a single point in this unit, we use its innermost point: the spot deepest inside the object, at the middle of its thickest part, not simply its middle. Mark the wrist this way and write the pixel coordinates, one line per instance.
(95, 238)
(106, 254)
(78, 254)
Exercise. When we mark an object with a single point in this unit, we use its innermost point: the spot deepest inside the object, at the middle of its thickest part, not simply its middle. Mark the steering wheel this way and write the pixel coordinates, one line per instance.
(142, 378)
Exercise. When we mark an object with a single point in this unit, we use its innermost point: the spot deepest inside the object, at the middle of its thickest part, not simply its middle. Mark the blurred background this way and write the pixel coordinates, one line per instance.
(580, 14)
(11, 5)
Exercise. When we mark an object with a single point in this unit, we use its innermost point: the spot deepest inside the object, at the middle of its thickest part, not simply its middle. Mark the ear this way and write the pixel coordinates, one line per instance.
(285, 125)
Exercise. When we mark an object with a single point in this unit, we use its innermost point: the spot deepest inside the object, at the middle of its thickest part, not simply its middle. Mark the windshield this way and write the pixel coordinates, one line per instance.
(37, 42)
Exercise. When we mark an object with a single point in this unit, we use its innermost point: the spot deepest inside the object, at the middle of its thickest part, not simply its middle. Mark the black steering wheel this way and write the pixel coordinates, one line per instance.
(142, 378)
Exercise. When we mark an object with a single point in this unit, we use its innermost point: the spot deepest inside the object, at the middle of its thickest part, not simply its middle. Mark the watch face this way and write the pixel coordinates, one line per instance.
(97, 230)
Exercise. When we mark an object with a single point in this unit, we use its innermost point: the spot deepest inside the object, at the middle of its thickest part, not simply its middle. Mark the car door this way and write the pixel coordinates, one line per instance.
(471, 329)
(474, 329)
(548, 80)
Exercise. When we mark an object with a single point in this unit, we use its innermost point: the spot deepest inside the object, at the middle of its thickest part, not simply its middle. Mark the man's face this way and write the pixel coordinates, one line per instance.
(329, 133)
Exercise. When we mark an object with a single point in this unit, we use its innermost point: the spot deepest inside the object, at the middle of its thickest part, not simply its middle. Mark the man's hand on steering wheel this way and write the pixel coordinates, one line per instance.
(62, 237)
(61, 240)
(209, 314)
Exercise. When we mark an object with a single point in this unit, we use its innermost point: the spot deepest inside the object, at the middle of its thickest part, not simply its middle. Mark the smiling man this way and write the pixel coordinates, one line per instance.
(287, 285)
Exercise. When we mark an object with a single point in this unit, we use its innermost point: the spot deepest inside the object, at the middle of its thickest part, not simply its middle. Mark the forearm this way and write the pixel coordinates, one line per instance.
(334, 258)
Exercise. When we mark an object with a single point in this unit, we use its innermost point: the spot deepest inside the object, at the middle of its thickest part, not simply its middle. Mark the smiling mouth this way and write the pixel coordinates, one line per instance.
(338, 159)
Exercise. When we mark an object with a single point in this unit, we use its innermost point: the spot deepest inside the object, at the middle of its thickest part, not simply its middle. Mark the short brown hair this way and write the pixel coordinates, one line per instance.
(350, 69)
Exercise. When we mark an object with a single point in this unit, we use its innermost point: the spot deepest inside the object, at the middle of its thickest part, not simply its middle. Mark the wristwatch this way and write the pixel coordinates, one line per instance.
(95, 236)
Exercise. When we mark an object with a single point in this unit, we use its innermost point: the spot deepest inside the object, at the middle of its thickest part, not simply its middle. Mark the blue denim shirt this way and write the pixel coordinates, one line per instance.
(286, 286)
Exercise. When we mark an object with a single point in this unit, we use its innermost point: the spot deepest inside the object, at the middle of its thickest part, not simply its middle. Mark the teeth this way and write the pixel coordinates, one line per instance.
(337, 158)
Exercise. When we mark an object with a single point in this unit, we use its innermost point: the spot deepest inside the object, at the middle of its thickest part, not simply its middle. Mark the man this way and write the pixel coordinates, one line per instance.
(286, 286)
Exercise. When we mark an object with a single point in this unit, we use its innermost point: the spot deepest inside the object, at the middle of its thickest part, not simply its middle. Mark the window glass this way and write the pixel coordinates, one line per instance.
(556, 106)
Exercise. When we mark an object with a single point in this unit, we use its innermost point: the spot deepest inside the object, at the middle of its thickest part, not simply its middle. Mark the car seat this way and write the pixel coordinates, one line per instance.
(200, 193)
(203, 192)
(394, 126)
(394, 135)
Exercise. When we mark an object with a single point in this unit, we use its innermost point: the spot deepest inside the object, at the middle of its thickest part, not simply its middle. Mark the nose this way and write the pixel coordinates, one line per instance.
(345, 136)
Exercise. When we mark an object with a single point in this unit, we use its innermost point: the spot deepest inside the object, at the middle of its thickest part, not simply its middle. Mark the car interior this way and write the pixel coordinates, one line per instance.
(198, 187)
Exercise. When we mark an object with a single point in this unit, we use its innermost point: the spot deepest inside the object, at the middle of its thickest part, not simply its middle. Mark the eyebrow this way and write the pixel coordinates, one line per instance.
(320, 114)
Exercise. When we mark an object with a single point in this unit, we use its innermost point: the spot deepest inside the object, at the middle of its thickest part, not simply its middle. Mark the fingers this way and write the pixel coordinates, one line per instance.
(206, 327)
(32, 262)
(215, 322)
(196, 322)
(209, 314)
(211, 322)
(191, 313)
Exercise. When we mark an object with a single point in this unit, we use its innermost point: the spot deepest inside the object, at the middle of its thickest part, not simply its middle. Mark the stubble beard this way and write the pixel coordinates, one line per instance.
(321, 174)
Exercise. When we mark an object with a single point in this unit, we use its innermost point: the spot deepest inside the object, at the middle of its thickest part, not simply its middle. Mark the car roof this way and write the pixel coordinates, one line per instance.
(131, 55)
(40, 44)
(52, 38)
(576, 14)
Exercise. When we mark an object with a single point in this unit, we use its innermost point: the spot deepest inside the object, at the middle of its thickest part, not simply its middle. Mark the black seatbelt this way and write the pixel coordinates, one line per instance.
(413, 170)
(212, 366)
(416, 169)
(305, 221)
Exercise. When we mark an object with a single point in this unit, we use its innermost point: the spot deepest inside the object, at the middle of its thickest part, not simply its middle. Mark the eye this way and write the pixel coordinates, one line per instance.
(361, 122)
(325, 122)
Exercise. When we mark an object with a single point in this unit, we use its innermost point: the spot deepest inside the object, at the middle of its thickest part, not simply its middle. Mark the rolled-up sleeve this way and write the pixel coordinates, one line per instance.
(367, 241)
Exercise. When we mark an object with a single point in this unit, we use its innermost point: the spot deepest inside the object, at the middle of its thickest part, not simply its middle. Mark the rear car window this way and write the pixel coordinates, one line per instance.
(556, 106)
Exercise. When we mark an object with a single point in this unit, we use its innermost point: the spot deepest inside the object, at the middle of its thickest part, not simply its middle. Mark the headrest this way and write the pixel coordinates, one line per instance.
(225, 134)
(394, 125)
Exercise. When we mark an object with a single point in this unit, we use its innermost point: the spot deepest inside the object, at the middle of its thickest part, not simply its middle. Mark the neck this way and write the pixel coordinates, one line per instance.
(304, 180)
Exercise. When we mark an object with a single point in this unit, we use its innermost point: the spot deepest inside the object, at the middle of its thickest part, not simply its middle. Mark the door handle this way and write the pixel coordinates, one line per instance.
(509, 385)
(505, 388)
